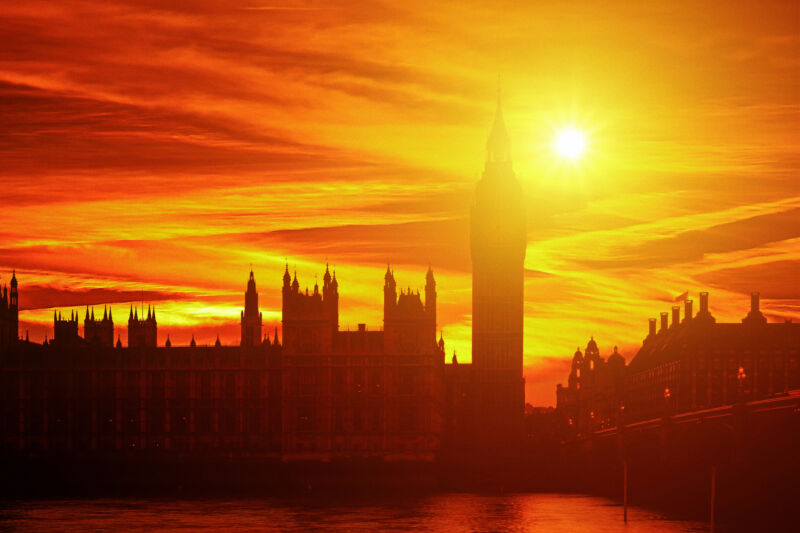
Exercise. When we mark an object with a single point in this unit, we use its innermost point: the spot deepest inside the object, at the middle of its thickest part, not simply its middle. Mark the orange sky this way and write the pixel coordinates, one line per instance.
(153, 151)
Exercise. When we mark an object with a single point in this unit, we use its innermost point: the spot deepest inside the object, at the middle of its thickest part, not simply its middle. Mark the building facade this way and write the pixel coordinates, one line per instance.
(323, 394)
(362, 393)
(594, 392)
(686, 364)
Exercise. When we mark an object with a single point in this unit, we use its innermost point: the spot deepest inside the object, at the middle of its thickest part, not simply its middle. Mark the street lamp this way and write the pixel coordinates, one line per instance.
(741, 376)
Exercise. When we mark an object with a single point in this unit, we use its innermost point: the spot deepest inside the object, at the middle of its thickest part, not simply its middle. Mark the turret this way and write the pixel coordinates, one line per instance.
(65, 330)
(13, 308)
(326, 279)
(13, 302)
(389, 294)
(704, 314)
(430, 296)
(311, 318)
(251, 316)
(755, 317)
(142, 332)
(287, 279)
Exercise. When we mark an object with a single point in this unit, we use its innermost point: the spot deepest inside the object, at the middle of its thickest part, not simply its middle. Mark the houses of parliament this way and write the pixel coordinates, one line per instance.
(312, 392)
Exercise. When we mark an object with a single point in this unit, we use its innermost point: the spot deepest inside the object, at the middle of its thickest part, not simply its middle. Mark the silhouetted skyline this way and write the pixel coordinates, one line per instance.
(198, 139)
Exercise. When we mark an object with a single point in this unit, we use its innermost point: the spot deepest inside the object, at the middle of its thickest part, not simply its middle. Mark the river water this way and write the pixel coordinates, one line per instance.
(551, 513)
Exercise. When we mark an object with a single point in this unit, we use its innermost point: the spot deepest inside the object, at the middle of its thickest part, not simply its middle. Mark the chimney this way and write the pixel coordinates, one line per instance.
(362, 327)
(754, 296)
(664, 321)
(676, 315)
(687, 312)
(652, 326)
(704, 303)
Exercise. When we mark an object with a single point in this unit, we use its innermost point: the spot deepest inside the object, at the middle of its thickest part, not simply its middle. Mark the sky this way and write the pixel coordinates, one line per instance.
(151, 151)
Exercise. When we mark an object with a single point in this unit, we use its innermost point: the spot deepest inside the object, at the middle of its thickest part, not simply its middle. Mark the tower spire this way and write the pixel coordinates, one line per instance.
(498, 146)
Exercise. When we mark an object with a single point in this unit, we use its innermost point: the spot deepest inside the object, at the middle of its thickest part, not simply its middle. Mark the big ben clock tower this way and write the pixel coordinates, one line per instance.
(498, 239)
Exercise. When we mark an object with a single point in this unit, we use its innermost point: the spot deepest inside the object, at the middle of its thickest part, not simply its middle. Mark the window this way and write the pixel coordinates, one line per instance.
(131, 422)
(182, 385)
(203, 421)
(253, 385)
(305, 418)
(339, 380)
(205, 386)
(155, 419)
(230, 385)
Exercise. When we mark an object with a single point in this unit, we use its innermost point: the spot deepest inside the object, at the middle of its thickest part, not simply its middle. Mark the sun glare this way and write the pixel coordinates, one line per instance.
(570, 143)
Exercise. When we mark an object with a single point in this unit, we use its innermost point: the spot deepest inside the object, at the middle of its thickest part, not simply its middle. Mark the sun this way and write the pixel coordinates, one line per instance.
(570, 143)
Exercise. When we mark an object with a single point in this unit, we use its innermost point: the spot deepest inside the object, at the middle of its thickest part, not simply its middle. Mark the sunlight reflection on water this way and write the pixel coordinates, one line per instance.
(550, 513)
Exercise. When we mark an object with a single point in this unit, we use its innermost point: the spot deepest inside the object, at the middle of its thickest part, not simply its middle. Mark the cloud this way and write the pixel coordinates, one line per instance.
(44, 297)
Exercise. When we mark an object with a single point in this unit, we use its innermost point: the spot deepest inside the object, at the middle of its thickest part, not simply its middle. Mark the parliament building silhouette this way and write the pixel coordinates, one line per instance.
(317, 393)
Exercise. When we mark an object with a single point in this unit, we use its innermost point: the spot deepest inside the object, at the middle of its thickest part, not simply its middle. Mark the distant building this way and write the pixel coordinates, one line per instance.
(360, 393)
(324, 393)
(9, 313)
(684, 365)
(593, 395)
(699, 363)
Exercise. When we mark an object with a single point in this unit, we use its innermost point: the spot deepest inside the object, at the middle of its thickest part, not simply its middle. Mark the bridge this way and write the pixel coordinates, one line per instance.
(739, 460)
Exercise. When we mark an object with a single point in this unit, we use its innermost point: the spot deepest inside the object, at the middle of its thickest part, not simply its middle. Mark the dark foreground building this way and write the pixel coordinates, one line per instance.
(684, 365)
(321, 394)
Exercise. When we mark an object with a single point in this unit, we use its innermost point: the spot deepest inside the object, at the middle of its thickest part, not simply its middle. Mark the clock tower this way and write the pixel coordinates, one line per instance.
(498, 239)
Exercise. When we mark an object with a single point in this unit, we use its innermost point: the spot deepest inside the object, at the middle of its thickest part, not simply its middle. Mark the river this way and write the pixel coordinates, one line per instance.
(551, 513)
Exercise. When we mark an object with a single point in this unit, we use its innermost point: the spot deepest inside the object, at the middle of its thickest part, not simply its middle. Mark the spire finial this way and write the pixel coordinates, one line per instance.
(498, 147)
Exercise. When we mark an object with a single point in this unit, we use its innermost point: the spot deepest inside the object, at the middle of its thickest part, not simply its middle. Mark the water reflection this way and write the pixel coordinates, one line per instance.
(551, 513)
